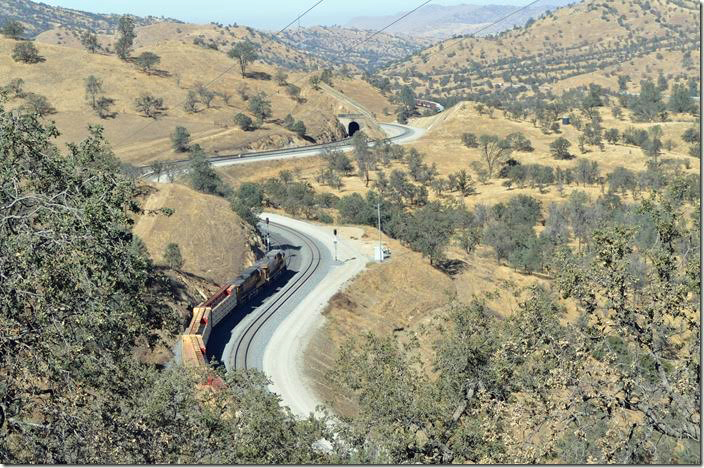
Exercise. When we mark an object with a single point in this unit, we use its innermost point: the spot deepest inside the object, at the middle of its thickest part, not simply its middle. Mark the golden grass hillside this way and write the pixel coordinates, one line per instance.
(37, 17)
(335, 45)
(443, 146)
(272, 51)
(214, 242)
(371, 303)
(577, 44)
(369, 97)
(139, 140)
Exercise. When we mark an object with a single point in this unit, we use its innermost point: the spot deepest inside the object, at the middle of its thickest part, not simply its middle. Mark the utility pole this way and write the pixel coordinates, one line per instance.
(378, 215)
(379, 254)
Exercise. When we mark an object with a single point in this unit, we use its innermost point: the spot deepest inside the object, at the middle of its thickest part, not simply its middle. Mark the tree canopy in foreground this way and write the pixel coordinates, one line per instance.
(78, 293)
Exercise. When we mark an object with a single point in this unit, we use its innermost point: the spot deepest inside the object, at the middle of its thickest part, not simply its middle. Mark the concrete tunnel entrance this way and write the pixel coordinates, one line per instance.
(353, 128)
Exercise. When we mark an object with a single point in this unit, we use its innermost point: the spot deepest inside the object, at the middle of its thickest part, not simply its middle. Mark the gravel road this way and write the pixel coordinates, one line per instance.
(283, 355)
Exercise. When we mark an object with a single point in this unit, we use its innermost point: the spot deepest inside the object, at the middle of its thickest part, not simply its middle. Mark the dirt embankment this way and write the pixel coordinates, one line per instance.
(139, 140)
(404, 297)
(214, 242)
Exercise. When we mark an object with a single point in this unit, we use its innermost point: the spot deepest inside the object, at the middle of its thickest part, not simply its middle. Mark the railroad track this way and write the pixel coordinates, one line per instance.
(244, 342)
(181, 165)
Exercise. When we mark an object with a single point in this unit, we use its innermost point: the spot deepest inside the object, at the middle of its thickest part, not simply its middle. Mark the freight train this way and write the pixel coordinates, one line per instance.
(436, 106)
(238, 291)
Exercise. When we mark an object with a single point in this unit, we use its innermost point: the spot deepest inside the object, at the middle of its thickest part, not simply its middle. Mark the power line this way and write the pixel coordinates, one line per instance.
(228, 70)
(299, 17)
(389, 25)
(507, 16)
(518, 10)
(355, 45)
(358, 43)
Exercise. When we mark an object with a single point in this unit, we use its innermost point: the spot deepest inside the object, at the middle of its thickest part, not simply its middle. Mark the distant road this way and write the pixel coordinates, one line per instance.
(397, 133)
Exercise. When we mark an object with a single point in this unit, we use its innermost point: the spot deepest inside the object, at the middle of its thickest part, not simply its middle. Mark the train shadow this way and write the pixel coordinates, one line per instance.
(286, 247)
(221, 334)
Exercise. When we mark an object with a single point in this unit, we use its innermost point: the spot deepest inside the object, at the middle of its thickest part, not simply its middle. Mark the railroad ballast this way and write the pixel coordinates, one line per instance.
(208, 314)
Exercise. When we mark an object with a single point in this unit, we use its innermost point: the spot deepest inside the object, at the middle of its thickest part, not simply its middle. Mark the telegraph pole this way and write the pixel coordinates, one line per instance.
(378, 215)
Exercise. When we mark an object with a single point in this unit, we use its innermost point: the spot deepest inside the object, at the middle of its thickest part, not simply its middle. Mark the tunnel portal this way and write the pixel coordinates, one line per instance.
(353, 128)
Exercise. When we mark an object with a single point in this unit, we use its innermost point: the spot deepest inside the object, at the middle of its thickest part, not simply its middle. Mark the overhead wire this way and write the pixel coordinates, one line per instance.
(298, 18)
(368, 37)
(389, 25)
(351, 48)
(482, 29)
(229, 69)
(219, 76)
(460, 39)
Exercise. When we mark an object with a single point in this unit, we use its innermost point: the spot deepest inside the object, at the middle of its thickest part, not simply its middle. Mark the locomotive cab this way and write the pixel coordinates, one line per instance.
(273, 263)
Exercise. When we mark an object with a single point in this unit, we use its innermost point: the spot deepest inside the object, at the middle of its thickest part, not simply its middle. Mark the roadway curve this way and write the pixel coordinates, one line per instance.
(272, 330)
(397, 133)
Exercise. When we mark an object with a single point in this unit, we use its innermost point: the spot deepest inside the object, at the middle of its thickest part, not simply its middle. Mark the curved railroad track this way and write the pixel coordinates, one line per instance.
(247, 337)
(402, 134)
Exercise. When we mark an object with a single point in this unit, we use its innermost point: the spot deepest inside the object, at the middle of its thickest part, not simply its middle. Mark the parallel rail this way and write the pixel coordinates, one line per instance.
(244, 342)
(254, 155)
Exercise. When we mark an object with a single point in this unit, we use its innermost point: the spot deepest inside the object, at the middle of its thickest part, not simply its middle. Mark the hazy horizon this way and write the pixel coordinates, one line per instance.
(277, 14)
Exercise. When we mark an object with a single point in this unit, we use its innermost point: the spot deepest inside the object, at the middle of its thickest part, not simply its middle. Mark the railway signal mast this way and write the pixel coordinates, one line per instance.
(334, 241)
(268, 246)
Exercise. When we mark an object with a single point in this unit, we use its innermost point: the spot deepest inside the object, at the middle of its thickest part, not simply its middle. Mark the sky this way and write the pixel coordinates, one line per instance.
(267, 14)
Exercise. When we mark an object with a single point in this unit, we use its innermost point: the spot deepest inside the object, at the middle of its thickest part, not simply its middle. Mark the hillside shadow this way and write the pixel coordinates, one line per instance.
(258, 75)
(286, 247)
(452, 267)
(176, 287)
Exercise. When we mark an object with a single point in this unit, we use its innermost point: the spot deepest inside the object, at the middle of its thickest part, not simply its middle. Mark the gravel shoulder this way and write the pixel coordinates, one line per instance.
(283, 357)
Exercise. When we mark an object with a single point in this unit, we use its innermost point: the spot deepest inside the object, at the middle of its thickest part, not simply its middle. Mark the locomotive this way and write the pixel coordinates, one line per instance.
(237, 291)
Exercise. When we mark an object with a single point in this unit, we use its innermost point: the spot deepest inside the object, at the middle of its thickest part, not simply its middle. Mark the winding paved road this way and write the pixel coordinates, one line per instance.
(397, 133)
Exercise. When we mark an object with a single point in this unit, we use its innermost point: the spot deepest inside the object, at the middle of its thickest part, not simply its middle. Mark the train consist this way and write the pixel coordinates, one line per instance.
(211, 312)
(436, 106)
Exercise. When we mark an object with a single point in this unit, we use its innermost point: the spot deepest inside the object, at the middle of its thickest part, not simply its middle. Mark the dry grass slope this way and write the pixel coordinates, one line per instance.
(336, 45)
(214, 242)
(404, 297)
(39, 17)
(590, 41)
(61, 79)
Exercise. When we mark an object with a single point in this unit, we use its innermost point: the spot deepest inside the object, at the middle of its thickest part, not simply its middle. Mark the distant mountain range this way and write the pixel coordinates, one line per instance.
(336, 45)
(442, 22)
